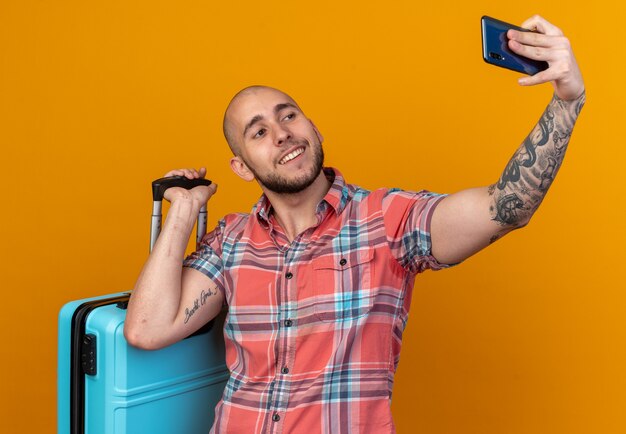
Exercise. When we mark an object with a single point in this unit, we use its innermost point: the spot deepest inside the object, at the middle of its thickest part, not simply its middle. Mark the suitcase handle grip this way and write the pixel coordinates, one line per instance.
(158, 190)
(160, 185)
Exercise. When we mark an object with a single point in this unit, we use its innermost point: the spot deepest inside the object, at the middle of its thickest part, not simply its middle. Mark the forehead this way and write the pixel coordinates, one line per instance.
(258, 102)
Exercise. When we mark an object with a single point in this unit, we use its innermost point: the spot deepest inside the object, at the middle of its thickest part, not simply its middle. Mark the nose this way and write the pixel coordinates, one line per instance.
(282, 135)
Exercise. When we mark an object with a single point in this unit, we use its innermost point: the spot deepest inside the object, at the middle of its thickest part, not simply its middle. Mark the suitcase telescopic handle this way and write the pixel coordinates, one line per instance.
(158, 190)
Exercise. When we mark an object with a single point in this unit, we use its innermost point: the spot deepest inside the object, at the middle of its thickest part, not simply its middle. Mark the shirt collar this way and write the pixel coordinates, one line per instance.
(336, 197)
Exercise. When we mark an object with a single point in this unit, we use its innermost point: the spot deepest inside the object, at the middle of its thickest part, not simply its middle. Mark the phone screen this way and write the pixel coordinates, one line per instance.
(496, 48)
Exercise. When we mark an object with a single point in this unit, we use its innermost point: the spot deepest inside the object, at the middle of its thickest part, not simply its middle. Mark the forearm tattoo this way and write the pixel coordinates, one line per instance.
(530, 172)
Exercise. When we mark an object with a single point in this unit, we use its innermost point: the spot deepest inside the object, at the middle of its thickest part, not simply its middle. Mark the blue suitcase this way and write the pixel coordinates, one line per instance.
(105, 386)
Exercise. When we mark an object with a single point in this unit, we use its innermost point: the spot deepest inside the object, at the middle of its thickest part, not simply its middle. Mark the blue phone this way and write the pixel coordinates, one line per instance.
(496, 49)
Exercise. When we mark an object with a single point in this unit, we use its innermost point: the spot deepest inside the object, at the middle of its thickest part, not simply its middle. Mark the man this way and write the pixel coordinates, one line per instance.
(318, 278)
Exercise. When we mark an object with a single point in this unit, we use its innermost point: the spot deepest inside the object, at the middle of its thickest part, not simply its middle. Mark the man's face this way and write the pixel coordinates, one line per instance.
(279, 146)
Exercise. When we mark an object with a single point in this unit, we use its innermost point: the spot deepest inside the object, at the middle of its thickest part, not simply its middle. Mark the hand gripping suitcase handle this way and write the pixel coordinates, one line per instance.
(158, 190)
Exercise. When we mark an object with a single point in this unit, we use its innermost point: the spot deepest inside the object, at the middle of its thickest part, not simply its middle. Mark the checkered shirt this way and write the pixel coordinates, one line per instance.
(314, 326)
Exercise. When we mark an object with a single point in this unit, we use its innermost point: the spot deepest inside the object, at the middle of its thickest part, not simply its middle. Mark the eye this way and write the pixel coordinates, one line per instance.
(260, 133)
(289, 117)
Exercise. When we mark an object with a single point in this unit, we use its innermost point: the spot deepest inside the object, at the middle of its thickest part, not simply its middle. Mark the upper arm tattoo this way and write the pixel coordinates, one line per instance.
(199, 302)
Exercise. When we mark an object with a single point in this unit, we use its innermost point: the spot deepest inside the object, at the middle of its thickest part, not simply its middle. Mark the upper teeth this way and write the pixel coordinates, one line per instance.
(291, 155)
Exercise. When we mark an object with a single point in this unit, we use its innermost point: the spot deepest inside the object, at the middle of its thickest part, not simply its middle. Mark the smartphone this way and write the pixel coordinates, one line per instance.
(496, 48)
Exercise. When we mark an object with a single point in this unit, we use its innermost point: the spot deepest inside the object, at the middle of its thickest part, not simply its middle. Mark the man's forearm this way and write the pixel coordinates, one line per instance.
(155, 300)
(530, 172)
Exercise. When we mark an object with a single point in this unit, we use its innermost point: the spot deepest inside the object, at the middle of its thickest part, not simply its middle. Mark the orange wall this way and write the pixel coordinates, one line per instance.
(99, 98)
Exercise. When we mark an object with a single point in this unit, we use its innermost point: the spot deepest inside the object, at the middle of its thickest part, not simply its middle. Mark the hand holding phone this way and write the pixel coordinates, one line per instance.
(545, 53)
(496, 49)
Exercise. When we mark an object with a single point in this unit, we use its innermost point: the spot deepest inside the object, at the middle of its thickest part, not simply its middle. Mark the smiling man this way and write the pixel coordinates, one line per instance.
(318, 277)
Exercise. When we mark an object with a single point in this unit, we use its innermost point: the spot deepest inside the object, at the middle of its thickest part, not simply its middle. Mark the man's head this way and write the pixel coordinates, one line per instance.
(272, 140)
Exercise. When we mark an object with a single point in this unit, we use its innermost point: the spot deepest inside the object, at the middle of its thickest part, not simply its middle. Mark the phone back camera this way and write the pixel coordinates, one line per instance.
(496, 56)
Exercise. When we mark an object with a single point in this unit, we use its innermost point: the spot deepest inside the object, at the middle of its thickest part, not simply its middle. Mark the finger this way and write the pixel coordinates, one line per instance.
(538, 40)
(212, 189)
(175, 172)
(205, 192)
(190, 173)
(541, 25)
(202, 172)
(531, 38)
(538, 78)
(536, 53)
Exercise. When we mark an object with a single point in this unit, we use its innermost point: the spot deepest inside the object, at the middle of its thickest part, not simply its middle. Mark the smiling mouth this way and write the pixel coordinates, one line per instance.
(290, 156)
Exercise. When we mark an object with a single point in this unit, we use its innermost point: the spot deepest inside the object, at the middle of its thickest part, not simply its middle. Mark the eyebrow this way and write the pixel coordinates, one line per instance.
(257, 118)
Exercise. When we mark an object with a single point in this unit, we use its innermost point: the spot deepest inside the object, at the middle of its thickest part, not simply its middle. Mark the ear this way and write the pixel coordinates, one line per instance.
(317, 132)
(241, 169)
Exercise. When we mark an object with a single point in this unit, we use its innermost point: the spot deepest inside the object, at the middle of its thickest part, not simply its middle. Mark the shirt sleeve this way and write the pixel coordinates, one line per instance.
(407, 217)
(208, 257)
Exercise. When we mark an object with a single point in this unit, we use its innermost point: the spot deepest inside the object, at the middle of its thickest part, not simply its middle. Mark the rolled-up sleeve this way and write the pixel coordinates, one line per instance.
(208, 257)
(407, 217)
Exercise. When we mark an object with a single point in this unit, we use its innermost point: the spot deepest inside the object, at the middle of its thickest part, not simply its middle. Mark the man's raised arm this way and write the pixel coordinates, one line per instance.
(468, 221)
(169, 302)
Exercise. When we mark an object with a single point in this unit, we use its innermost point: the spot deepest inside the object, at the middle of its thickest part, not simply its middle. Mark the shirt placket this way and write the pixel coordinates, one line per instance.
(287, 327)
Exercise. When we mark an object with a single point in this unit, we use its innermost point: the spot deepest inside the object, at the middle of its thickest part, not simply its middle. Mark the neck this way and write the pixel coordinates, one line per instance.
(296, 212)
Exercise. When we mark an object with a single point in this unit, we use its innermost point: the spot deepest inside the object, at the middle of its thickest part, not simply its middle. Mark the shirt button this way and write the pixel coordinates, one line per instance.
(276, 417)
(288, 323)
(285, 370)
(289, 275)
(343, 262)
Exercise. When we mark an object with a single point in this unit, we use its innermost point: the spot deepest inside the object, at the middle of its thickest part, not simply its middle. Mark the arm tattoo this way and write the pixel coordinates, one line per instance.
(530, 172)
(199, 302)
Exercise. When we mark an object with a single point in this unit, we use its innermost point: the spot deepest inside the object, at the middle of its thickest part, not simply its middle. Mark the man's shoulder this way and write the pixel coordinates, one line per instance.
(387, 198)
(234, 223)
(236, 218)
(359, 193)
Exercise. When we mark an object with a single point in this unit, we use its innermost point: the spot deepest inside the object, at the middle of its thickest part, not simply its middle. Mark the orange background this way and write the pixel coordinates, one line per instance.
(99, 98)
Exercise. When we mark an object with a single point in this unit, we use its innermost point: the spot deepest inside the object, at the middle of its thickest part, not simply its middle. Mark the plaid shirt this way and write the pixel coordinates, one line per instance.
(314, 327)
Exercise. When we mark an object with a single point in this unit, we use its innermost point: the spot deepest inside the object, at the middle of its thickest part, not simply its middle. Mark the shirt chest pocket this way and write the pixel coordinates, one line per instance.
(342, 285)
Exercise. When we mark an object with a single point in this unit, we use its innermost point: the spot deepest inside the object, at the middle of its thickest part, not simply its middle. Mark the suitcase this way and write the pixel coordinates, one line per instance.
(105, 386)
